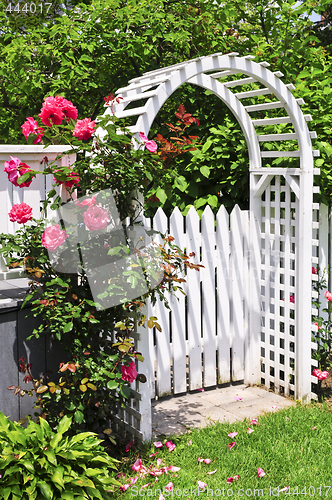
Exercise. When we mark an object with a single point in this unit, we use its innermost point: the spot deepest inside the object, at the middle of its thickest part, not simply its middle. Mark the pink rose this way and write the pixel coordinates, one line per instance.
(30, 126)
(328, 295)
(129, 373)
(15, 169)
(53, 237)
(313, 270)
(51, 113)
(150, 145)
(21, 213)
(292, 298)
(67, 107)
(69, 184)
(84, 129)
(88, 202)
(96, 218)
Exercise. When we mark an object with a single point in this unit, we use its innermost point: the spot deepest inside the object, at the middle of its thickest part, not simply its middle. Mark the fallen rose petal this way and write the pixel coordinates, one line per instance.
(169, 486)
(159, 461)
(190, 443)
(161, 497)
(238, 398)
(173, 468)
(137, 465)
(237, 477)
(158, 444)
(153, 454)
(287, 418)
(175, 475)
(249, 431)
(232, 434)
(171, 446)
(202, 485)
(260, 472)
(145, 485)
(254, 421)
(124, 487)
(157, 472)
(212, 471)
(231, 445)
(200, 390)
(200, 459)
(207, 460)
(129, 445)
(120, 475)
(284, 489)
(274, 407)
(313, 428)
(229, 480)
(133, 481)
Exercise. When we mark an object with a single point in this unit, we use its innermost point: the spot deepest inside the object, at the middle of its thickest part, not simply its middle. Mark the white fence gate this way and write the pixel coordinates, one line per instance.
(203, 337)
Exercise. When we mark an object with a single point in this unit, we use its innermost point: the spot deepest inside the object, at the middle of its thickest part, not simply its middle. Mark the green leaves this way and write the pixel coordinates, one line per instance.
(50, 473)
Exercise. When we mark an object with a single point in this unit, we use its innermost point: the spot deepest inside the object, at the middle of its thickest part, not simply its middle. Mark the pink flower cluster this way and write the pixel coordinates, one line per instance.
(20, 213)
(328, 295)
(54, 111)
(15, 169)
(154, 471)
(319, 374)
(129, 373)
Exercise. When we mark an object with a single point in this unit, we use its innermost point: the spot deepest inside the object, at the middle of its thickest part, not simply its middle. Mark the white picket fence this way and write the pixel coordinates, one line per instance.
(204, 335)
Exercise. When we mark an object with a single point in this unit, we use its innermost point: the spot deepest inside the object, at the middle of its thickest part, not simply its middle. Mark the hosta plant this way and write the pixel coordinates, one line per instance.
(37, 463)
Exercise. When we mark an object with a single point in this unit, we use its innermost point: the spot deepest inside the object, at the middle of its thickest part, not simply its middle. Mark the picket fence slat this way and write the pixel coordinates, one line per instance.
(237, 295)
(194, 304)
(208, 298)
(223, 288)
(177, 304)
(164, 353)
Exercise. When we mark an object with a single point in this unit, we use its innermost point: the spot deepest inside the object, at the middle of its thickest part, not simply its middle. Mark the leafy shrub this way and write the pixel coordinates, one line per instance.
(37, 463)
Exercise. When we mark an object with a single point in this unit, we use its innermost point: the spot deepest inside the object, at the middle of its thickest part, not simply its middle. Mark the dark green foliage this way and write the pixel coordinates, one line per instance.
(37, 463)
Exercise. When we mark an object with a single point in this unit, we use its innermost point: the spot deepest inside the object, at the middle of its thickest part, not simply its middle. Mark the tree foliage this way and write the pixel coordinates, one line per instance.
(96, 46)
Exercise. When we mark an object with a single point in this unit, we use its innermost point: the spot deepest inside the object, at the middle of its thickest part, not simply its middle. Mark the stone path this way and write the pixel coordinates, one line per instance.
(175, 415)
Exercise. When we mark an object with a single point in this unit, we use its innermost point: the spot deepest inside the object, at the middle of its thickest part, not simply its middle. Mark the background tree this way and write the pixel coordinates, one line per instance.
(95, 47)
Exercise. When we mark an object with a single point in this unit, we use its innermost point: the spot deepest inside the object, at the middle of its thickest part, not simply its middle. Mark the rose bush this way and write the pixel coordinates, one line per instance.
(64, 259)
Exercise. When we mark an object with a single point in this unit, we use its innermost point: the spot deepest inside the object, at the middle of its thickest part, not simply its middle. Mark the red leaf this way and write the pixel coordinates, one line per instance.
(181, 109)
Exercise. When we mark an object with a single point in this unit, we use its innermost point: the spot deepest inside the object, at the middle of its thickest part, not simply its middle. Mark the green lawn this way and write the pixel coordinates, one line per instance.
(292, 446)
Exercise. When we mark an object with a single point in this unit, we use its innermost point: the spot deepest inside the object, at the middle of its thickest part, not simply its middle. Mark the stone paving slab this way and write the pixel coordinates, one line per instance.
(178, 414)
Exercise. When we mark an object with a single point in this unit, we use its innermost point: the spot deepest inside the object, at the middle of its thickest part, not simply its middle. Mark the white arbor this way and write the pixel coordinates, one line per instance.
(277, 348)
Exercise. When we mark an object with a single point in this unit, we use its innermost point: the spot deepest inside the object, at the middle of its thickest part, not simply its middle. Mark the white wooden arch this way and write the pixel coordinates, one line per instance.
(165, 81)
(280, 248)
